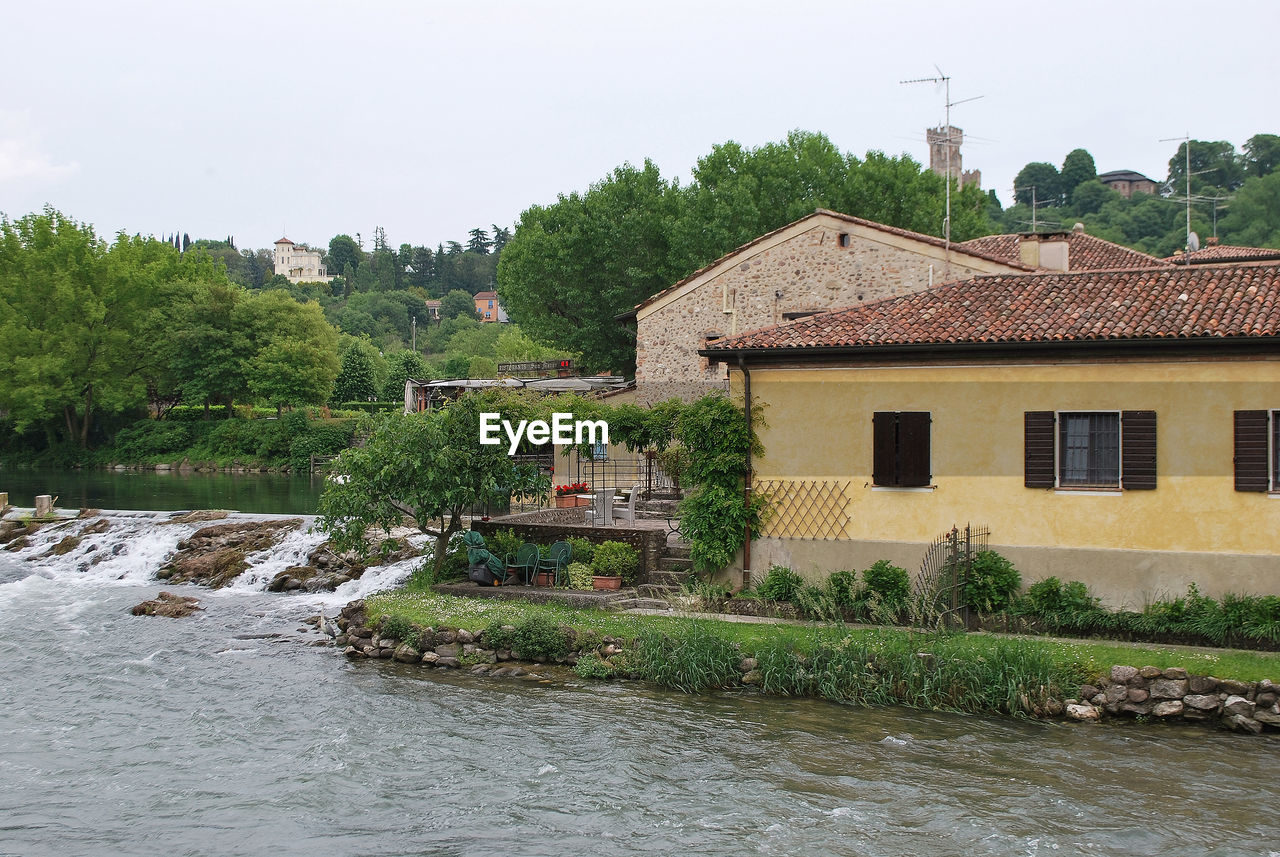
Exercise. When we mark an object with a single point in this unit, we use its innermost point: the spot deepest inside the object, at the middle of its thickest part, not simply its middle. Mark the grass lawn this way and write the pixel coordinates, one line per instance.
(1080, 658)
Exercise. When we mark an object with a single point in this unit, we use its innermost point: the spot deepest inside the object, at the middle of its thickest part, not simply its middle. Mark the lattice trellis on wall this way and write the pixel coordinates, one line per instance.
(806, 508)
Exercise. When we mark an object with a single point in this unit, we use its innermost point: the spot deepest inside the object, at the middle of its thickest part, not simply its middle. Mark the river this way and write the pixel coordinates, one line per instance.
(228, 734)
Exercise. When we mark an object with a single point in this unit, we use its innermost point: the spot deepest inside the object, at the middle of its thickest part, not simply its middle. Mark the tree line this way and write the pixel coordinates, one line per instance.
(1234, 195)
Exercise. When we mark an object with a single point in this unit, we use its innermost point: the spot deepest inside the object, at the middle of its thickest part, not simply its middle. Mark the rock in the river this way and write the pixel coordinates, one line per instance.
(1083, 712)
(169, 605)
(214, 556)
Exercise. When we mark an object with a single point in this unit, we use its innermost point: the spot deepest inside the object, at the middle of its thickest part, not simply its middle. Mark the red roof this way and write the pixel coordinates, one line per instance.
(284, 241)
(486, 296)
(1219, 253)
(848, 218)
(1182, 303)
(1084, 252)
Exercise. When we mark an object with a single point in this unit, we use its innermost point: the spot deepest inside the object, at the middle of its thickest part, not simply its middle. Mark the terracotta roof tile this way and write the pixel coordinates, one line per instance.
(1084, 252)
(1220, 253)
(1183, 303)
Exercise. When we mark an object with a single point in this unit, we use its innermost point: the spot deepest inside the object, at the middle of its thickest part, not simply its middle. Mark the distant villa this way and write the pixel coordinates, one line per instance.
(299, 263)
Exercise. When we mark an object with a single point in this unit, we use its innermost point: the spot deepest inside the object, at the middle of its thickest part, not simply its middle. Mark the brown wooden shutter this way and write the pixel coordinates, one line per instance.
(1037, 449)
(1251, 451)
(1138, 450)
(913, 449)
(884, 449)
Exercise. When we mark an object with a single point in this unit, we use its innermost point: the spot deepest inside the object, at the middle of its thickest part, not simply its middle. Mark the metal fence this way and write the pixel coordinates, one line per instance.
(946, 568)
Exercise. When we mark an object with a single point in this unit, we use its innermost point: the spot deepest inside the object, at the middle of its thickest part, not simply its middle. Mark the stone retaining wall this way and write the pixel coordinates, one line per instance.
(1174, 694)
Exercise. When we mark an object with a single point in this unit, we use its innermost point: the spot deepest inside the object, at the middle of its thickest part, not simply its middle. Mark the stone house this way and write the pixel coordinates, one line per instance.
(1128, 182)
(1121, 428)
(820, 262)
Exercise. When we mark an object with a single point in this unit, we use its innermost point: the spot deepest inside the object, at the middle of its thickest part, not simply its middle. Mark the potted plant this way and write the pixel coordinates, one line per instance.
(566, 495)
(580, 576)
(614, 564)
(504, 544)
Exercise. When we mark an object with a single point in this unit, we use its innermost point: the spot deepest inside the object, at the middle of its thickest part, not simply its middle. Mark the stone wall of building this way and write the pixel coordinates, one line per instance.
(816, 269)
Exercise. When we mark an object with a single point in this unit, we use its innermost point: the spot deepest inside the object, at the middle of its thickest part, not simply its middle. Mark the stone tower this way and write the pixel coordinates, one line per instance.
(944, 140)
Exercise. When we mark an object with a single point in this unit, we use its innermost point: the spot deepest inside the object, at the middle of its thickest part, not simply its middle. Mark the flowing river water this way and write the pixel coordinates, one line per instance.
(228, 734)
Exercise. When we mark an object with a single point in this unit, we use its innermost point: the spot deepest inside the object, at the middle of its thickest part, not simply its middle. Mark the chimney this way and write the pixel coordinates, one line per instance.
(1211, 241)
(1045, 251)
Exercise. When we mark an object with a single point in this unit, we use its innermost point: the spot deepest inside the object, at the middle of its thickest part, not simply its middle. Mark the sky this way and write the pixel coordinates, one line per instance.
(310, 119)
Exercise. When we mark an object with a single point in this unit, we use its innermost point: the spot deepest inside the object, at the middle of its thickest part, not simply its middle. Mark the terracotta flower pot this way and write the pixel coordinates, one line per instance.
(602, 582)
(543, 578)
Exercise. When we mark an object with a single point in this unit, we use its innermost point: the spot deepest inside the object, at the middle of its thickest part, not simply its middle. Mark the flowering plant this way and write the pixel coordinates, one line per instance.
(574, 488)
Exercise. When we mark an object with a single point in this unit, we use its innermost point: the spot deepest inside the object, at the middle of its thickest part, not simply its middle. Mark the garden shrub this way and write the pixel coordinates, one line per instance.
(991, 583)
(842, 588)
(890, 582)
(582, 549)
(779, 584)
(580, 576)
(539, 637)
(618, 559)
(504, 543)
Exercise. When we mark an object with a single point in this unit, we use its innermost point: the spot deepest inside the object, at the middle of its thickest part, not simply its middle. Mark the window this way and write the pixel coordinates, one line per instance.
(1257, 439)
(1090, 449)
(844, 239)
(900, 449)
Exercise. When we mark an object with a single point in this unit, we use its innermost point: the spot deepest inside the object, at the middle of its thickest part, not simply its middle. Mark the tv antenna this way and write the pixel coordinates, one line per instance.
(945, 80)
(1187, 148)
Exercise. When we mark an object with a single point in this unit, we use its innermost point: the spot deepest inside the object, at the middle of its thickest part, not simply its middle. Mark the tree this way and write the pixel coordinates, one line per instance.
(422, 269)
(1089, 197)
(1077, 167)
(293, 350)
(402, 365)
(457, 304)
(79, 319)
(501, 236)
(357, 379)
(479, 241)
(1254, 218)
(571, 267)
(1261, 155)
(344, 251)
(1213, 164)
(429, 466)
(203, 351)
(1040, 180)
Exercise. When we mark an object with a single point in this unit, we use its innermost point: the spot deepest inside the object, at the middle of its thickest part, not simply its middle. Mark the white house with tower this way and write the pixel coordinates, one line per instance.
(299, 263)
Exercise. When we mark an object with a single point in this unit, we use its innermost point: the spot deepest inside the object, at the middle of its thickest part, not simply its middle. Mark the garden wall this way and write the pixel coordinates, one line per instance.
(552, 525)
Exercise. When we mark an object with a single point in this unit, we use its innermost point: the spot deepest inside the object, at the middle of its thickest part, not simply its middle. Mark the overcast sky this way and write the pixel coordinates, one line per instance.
(430, 118)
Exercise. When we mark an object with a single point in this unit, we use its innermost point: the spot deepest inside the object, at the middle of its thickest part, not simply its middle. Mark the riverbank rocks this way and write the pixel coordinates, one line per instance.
(17, 531)
(1173, 694)
(199, 516)
(214, 556)
(168, 605)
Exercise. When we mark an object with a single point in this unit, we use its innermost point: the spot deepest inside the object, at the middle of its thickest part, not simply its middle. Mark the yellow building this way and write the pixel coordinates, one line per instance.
(1114, 427)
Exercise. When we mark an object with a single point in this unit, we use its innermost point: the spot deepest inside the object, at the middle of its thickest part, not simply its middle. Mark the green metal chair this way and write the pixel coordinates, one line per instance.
(526, 561)
(556, 562)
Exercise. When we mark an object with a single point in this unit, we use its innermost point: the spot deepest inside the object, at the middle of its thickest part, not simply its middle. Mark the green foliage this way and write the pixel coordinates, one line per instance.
(1077, 167)
(1040, 182)
(580, 576)
(504, 543)
(714, 515)
(843, 589)
(779, 584)
(991, 584)
(539, 637)
(592, 666)
(402, 365)
(890, 582)
(357, 379)
(428, 466)
(581, 549)
(691, 659)
(458, 304)
(616, 559)
(396, 627)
